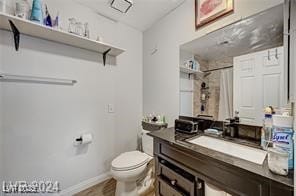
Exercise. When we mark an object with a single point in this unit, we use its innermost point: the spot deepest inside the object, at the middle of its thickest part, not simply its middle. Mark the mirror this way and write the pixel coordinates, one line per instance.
(235, 70)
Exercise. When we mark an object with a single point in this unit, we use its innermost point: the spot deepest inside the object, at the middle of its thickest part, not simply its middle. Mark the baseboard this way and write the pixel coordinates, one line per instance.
(79, 187)
(84, 185)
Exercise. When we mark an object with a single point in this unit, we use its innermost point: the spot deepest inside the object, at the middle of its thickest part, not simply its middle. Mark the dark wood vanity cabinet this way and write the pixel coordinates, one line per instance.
(180, 172)
(173, 180)
(277, 189)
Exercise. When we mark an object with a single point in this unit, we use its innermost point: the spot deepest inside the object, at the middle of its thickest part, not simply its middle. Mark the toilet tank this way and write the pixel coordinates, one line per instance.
(147, 143)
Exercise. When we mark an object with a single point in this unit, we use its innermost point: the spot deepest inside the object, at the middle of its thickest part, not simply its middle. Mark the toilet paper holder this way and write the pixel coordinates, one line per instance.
(83, 139)
(79, 139)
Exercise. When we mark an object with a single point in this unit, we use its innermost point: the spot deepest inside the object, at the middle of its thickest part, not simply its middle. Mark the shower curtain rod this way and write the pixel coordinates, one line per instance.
(218, 69)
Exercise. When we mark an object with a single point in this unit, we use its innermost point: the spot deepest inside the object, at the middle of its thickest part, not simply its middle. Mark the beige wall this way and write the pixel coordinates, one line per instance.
(161, 69)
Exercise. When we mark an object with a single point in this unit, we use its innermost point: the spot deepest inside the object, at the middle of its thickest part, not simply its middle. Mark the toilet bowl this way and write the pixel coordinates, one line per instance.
(126, 169)
(129, 167)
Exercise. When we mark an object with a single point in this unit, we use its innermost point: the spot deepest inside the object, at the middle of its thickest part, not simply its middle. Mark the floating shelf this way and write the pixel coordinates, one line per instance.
(40, 31)
(189, 71)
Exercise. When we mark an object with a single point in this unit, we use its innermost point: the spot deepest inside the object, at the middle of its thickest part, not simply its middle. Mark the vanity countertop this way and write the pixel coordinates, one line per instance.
(179, 139)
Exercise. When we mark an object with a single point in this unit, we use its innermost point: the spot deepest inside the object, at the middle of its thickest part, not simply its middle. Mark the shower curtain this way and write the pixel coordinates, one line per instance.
(226, 95)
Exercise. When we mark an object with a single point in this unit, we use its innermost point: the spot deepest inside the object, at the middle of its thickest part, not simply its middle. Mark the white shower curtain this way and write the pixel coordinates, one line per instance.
(226, 95)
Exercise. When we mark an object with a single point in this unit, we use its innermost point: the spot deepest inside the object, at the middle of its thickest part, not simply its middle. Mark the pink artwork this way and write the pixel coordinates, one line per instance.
(210, 10)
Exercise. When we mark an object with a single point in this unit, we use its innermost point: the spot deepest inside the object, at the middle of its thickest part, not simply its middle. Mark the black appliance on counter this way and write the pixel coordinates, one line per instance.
(186, 126)
(203, 121)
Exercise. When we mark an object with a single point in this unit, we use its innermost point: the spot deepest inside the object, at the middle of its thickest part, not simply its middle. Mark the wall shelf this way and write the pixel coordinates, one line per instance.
(40, 31)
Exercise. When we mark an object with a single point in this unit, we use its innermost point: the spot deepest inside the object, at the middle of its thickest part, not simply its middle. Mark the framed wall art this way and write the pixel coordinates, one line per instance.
(207, 11)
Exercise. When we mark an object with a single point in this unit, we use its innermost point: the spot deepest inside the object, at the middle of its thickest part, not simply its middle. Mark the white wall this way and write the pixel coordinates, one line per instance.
(294, 110)
(1, 128)
(161, 71)
(40, 122)
(186, 87)
(186, 95)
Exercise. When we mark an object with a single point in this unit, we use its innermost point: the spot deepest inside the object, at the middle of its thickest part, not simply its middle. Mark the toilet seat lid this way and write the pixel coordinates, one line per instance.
(130, 160)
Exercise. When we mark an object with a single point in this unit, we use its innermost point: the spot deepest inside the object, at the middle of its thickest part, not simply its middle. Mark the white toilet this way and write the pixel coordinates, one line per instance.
(129, 167)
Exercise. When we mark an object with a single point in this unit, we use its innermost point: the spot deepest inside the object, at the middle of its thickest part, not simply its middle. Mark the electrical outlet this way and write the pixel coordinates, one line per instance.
(111, 108)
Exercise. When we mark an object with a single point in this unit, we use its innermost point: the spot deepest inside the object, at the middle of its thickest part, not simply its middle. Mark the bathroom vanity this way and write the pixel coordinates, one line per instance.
(183, 168)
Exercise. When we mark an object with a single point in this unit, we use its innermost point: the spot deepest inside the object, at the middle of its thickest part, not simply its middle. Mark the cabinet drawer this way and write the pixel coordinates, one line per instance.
(165, 188)
(177, 175)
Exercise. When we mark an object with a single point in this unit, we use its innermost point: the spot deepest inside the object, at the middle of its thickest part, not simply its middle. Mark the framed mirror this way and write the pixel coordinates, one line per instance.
(237, 70)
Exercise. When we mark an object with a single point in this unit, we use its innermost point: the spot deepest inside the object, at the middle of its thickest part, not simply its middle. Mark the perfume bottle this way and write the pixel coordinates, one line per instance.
(22, 8)
(72, 25)
(47, 20)
(36, 14)
(56, 22)
(86, 30)
(79, 29)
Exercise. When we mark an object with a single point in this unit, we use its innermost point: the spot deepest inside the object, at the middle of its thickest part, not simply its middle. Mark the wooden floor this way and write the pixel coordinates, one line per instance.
(106, 188)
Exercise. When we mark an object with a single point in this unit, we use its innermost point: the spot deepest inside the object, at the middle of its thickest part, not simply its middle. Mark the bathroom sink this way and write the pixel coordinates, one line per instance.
(240, 151)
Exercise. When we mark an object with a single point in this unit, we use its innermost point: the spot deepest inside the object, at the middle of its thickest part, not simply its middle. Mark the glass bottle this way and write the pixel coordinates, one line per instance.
(72, 25)
(79, 29)
(86, 30)
(266, 133)
(22, 8)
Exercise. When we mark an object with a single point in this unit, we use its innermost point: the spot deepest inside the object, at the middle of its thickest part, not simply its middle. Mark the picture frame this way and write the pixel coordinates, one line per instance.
(208, 11)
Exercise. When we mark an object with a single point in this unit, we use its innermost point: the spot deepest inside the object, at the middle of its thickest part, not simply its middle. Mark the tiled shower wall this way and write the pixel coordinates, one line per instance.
(213, 82)
(197, 86)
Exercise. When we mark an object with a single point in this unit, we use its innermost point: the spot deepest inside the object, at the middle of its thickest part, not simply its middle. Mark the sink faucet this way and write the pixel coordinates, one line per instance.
(230, 128)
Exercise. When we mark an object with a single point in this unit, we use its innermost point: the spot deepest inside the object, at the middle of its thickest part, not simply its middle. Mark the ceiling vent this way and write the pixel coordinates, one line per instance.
(122, 5)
